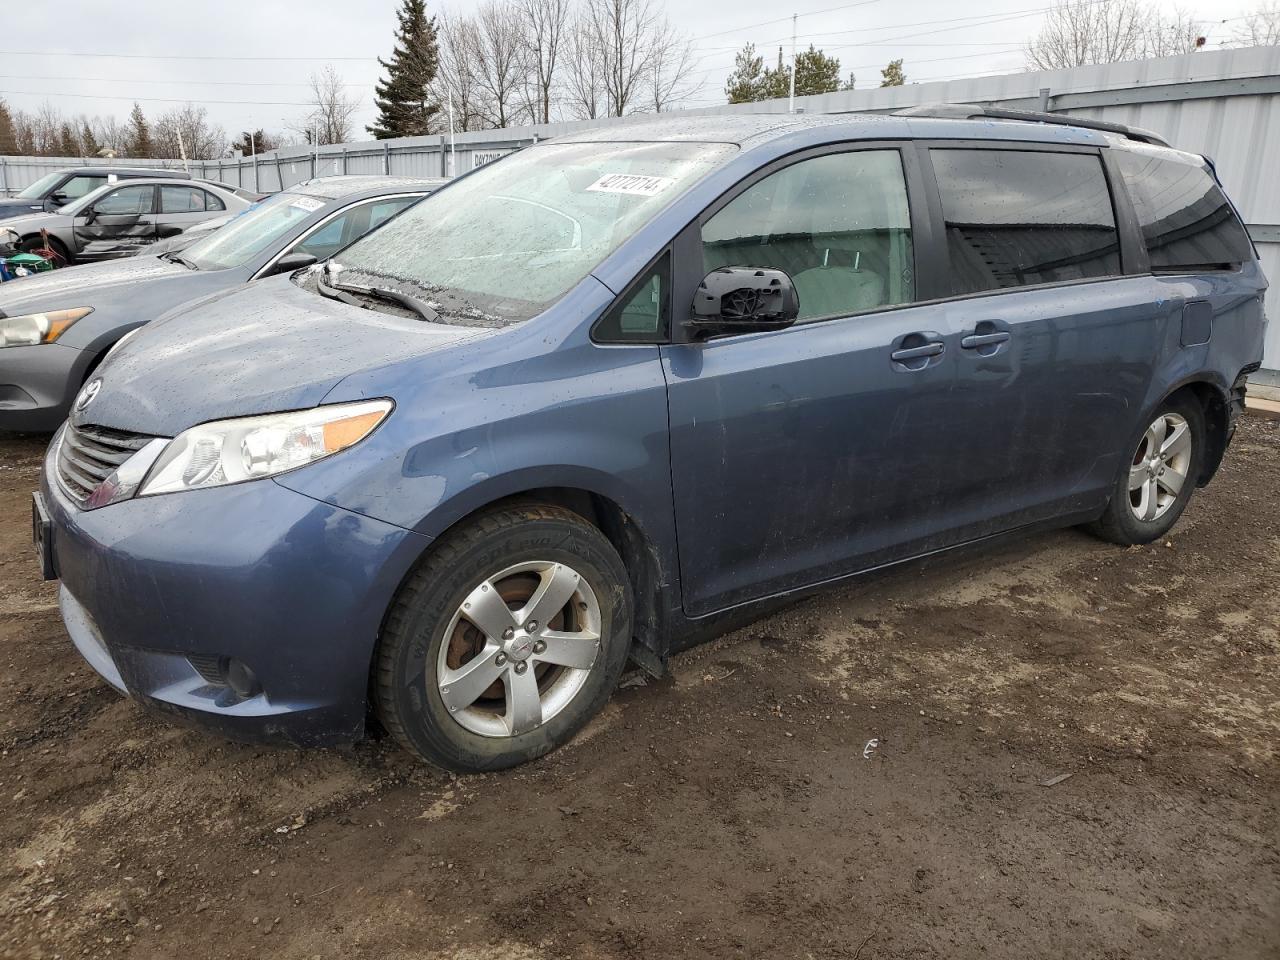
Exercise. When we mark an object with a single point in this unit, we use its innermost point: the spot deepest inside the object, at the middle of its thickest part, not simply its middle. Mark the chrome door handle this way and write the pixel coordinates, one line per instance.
(976, 340)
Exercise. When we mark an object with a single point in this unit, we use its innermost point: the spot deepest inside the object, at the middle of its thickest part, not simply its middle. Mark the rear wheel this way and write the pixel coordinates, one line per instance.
(506, 640)
(1157, 480)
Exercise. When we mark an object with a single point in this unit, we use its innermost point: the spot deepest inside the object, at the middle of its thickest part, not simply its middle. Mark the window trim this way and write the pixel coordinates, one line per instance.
(271, 262)
(940, 260)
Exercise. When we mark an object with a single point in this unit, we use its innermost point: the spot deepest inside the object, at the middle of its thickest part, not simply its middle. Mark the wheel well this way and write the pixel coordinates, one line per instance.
(54, 243)
(1217, 420)
(649, 648)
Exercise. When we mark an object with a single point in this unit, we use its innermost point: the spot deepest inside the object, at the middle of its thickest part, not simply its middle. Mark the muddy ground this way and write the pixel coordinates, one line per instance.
(728, 811)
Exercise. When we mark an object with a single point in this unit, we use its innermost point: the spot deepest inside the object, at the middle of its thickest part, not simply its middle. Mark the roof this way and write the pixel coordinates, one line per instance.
(154, 172)
(750, 129)
(335, 188)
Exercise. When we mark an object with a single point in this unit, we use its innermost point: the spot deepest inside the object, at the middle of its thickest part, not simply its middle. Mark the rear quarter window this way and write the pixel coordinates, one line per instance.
(1187, 223)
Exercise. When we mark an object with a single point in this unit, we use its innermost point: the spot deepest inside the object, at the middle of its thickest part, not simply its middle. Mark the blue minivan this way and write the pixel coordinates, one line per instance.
(603, 397)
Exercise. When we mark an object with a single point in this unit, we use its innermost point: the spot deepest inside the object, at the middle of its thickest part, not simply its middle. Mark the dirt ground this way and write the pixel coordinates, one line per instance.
(734, 810)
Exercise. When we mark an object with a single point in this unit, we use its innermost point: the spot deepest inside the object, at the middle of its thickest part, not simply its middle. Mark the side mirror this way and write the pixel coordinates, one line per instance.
(290, 262)
(56, 200)
(743, 300)
(89, 215)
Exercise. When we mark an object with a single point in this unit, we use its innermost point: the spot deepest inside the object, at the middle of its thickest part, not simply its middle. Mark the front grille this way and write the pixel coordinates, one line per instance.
(88, 455)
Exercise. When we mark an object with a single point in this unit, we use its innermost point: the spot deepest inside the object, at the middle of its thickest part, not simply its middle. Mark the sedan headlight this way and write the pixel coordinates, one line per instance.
(33, 328)
(232, 451)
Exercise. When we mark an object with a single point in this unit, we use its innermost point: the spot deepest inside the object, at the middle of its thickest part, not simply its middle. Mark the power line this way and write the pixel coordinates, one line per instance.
(164, 56)
(220, 83)
(105, 96)
(787, 19)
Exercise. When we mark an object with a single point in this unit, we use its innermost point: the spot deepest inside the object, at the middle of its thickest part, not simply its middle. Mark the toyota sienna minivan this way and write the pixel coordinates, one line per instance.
(621, 388)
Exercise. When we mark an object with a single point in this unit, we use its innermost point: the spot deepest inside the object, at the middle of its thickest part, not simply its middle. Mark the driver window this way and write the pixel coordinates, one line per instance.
(839, 224)
(130, 201)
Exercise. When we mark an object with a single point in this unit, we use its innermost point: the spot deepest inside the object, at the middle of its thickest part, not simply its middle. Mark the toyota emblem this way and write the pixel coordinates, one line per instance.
(87, 394)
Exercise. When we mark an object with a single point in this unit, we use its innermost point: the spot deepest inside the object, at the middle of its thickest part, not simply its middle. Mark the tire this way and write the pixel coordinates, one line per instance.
(1147, 511)
(34, 244)
(458, 694)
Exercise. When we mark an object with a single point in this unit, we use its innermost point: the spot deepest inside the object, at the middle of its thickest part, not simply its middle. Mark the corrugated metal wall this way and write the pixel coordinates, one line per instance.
(1223, 103)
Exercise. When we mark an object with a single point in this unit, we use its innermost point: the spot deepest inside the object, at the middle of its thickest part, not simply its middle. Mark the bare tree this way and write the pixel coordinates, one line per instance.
(584, 83)
(671, 65)
(543, 25)
(332, 109)
(456, 86)
(1077, 32)
(497, 49)
(1169, 34)
(187, 130)
(1261, 28)
(624, 30)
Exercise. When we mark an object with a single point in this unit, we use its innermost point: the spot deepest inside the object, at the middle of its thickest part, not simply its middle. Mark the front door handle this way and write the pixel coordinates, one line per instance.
(976, 340)
(916, 353)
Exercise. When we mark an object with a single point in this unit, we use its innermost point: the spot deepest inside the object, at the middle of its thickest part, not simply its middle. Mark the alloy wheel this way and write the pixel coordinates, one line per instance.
(1160, 466)
(519, 648)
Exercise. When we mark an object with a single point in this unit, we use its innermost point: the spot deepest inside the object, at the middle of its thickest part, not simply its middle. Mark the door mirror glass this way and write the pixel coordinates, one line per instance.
(743, 300)
(292, 261)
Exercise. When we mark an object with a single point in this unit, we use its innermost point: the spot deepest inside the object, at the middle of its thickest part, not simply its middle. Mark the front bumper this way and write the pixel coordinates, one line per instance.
(161, 594)
(37, 385)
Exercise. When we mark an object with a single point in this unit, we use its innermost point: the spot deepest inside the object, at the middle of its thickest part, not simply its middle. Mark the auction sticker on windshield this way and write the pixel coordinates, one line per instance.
(308, 204)
(634, 184)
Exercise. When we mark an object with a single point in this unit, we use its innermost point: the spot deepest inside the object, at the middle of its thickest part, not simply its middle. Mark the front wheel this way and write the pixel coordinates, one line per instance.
(1158, 478)
(508, 638)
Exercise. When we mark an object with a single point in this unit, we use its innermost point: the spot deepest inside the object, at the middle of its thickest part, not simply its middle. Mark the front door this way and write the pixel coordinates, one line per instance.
(121, 222)
(806, 453)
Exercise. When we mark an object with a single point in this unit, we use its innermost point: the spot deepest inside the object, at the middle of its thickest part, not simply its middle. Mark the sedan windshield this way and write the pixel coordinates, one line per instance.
(252, 232)
(503, 243)
(41, 186)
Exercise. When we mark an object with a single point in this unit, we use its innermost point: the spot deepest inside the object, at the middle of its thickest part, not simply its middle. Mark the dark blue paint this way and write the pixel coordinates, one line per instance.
(754, 466)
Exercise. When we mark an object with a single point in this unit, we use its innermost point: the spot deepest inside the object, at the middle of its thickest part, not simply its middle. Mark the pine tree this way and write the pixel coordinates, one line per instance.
(139, 134)
(8, 136)
(816, 72)
(88, 142)
(745, 84)
(403, 99)
(68, 145)
(893, 75)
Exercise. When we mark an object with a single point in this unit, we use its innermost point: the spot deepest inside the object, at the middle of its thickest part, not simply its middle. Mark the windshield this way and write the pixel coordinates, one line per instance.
(503, 243)
(252, 232)
(41, 186)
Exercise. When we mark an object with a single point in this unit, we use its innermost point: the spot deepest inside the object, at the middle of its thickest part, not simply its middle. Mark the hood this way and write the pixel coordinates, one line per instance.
(263, 348)
(84, 286)
(13, 207)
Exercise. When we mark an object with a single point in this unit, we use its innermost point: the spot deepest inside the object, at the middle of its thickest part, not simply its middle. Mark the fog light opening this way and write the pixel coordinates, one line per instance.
(241, 679)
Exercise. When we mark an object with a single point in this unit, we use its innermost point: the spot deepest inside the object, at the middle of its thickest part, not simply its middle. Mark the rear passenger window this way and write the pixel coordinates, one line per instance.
(1020, 218)
(181, 200)
(212, 202)
(838, 224)
(1187, 223)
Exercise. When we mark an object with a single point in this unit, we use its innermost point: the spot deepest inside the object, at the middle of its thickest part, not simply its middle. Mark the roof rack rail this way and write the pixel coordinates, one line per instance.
(972, 111)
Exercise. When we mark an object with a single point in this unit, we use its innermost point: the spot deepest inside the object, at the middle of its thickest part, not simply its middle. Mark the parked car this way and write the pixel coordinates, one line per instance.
(99, 304)
(61, 187)
(119, 219)
(605, 395)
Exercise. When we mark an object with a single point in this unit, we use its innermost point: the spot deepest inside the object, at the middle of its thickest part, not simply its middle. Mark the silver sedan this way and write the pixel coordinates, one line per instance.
(119, 219)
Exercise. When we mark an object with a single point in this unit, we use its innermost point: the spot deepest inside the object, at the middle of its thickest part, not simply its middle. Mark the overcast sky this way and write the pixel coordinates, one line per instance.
(55, 53)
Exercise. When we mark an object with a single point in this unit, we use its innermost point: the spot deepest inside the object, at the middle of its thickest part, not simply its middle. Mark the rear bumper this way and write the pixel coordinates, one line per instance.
(161, 595)
(37, 385)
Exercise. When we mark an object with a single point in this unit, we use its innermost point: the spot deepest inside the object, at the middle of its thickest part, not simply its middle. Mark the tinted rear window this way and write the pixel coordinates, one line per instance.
(1186, 221)
(1018, 218)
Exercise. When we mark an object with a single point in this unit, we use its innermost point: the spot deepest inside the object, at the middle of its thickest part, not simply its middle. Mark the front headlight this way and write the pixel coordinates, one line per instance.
(33, 328)
(232, 451)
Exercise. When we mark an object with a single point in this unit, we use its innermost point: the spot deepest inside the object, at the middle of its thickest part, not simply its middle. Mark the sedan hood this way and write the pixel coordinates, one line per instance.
(85, 286)
(263, 348)
(12, 207)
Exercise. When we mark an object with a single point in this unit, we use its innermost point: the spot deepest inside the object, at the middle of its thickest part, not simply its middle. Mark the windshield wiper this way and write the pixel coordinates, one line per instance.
(178, 258)
(343, 292)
